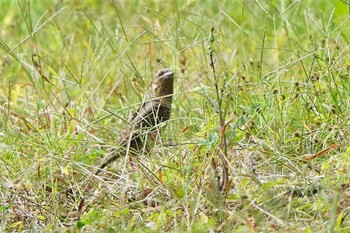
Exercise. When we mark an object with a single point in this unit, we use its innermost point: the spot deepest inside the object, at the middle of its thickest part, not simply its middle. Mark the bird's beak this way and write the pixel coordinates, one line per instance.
(169, 73)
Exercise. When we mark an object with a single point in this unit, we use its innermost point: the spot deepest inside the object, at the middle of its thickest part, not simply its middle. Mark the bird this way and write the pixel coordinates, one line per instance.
(142, 129)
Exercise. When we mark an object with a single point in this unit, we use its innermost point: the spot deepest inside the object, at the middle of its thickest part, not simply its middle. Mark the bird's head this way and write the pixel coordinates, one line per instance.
(163, 84)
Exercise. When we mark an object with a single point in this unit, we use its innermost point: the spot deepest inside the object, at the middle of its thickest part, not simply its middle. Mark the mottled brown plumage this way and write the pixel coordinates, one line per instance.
(139, 136)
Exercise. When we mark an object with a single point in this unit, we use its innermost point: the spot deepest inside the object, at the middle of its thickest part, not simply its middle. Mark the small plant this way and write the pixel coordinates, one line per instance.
(223, 183)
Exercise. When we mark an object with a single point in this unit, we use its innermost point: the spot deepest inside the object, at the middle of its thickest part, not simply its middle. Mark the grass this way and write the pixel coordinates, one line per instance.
(282, 72)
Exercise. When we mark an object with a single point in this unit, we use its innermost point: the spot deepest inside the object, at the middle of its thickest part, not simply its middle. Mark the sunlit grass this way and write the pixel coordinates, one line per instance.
(72, 72)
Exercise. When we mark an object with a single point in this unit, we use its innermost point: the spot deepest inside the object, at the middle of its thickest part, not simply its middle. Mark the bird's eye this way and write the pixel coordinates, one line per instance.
(155, 87)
